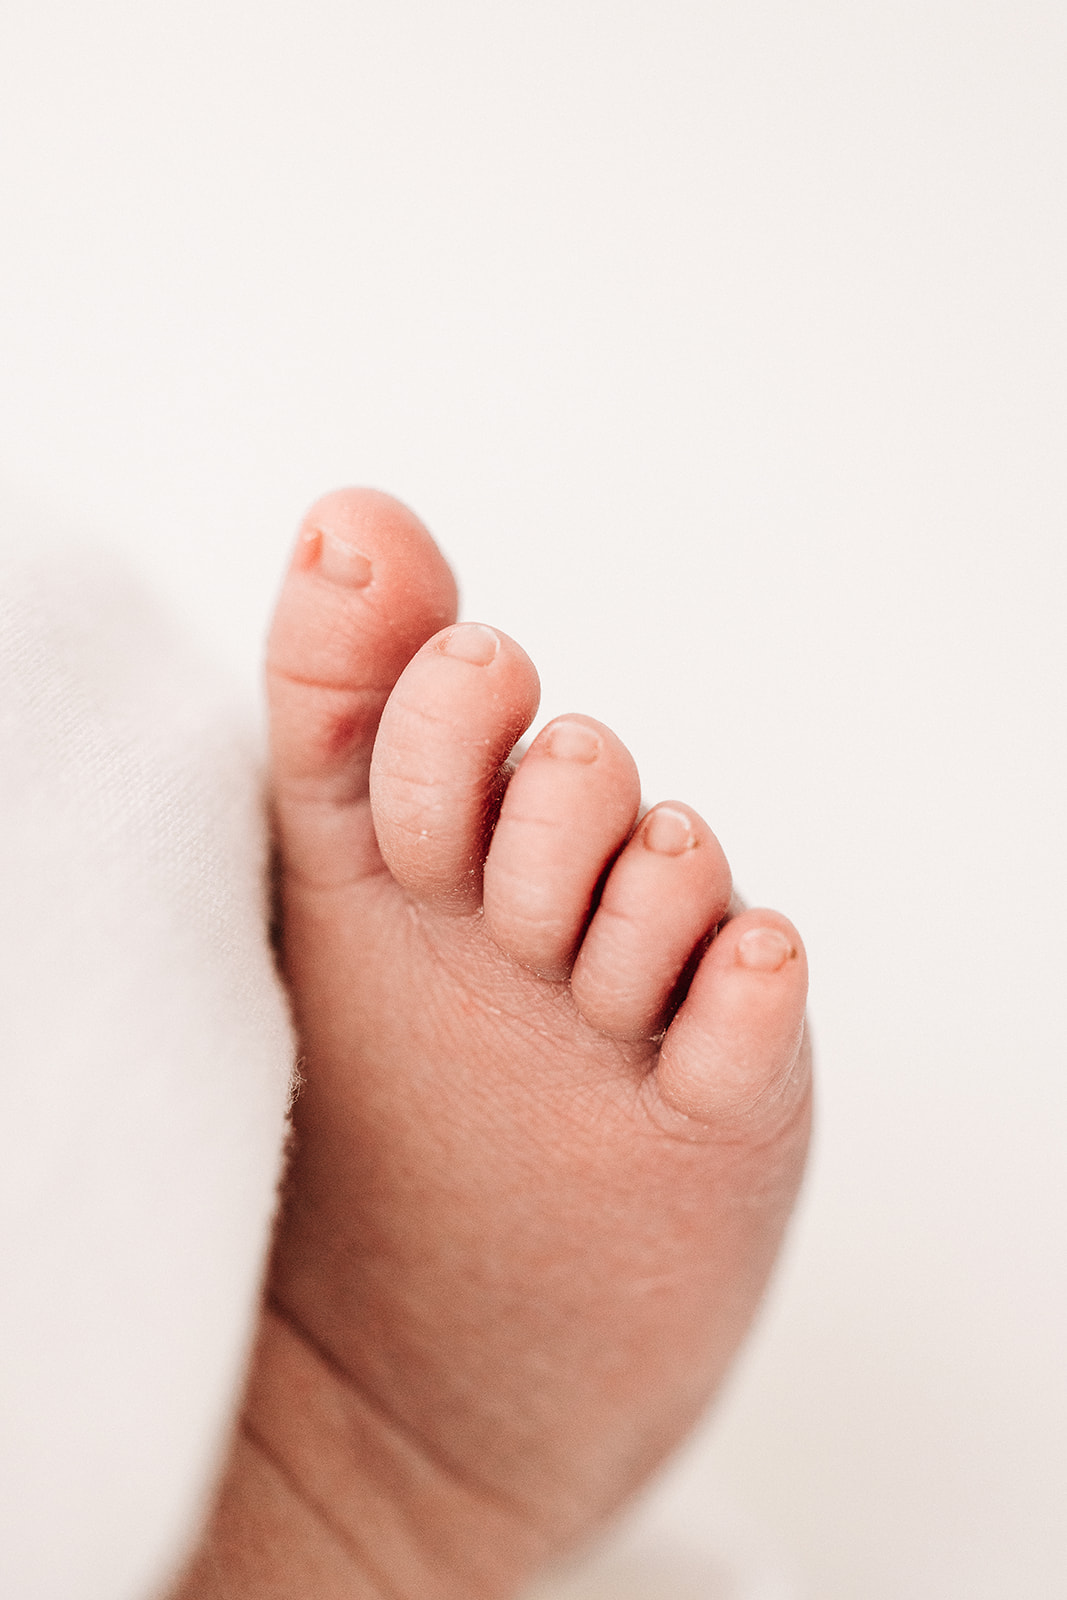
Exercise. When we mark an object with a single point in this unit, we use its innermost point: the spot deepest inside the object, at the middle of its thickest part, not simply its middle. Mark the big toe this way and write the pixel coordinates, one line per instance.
(367, 586)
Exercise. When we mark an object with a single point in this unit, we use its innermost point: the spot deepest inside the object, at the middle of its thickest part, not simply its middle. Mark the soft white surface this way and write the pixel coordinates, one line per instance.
(723, 346)
(145, 1058)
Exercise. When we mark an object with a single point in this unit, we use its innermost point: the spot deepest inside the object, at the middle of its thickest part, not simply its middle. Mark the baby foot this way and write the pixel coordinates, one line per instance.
(556, 1101)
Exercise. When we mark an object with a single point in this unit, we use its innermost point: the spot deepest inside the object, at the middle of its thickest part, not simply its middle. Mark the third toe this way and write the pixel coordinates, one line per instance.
(568, 810)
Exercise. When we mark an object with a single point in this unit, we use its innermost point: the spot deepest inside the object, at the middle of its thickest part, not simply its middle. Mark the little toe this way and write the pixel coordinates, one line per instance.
(438, 769)
(366, 587)
(569, 807)
(669, 888)
(735, 1056)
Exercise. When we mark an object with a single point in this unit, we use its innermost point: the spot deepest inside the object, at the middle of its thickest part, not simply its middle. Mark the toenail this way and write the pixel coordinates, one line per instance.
(668, 832)
(471, 642)
(571, 741)
(342, 563)
(764, 949)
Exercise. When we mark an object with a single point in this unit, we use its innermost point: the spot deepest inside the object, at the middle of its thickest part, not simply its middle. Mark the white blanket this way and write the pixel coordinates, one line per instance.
(146, 1057)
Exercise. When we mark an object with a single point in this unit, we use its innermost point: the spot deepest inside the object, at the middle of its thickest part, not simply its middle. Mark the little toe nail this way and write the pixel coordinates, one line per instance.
(340, 562)
(668, 832)
(471, 642)
(764, 949)
(571, 741)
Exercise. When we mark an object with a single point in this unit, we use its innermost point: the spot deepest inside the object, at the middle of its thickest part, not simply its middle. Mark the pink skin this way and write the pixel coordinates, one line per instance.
(555, 1112)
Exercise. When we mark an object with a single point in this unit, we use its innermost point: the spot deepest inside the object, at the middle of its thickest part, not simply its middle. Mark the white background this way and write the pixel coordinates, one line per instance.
(723, 347)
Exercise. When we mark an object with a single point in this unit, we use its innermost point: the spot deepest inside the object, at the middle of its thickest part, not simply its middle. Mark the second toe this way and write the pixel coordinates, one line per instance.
(440, 757)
